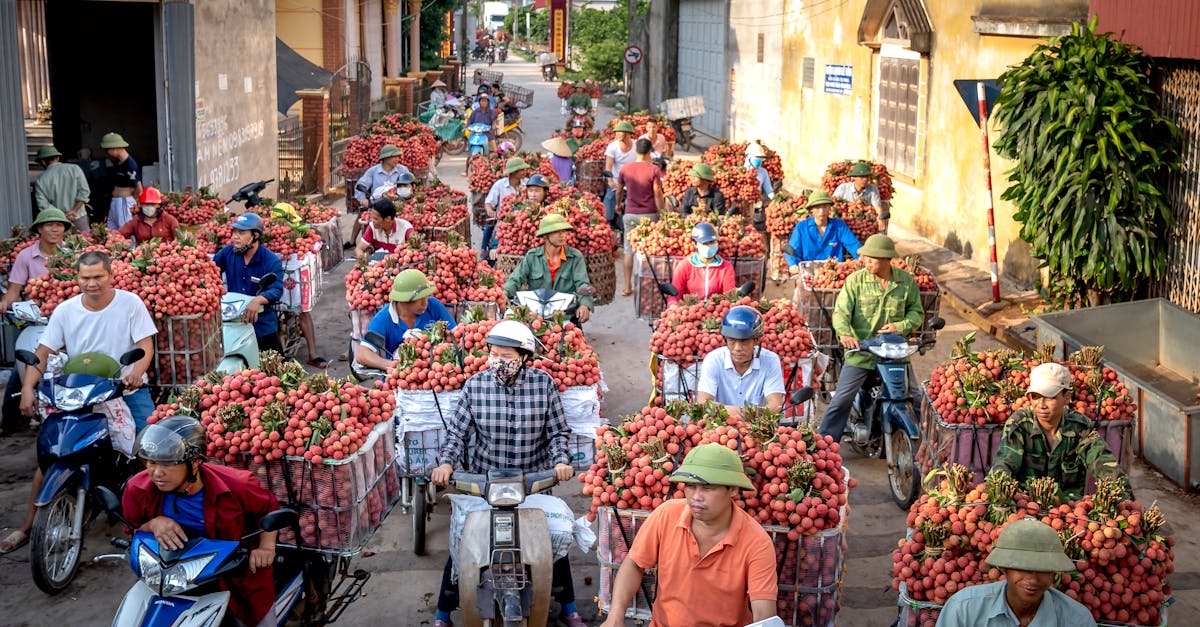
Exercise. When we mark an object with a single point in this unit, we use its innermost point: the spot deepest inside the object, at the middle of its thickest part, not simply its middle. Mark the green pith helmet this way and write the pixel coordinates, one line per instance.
(388, 150)
(712, 464)
(703, 171)
(51, 214)
(623, 127)
(879, 246)
(860, 169)
(410, 285)
(113, 140)
(46, 152)
(1030, 544)
(95, 364)
(553, 223)
(515, 164)
(818, 198)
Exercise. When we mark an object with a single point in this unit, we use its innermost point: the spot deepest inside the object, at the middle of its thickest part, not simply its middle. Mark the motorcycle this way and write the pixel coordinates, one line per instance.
(683, 132)
(249, 194)
(477, 139)
(238, 337)
(27, 317)
(547, 302)
(503, 52)
(75, 454)
(491, 54)
(580, 115)
(479, 52)
(505, 556)
(165, 577)
(549, 63)
(447, 124)
(883, 416)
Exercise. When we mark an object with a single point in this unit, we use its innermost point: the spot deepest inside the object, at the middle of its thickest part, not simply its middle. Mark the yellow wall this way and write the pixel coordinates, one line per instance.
(946, 200)
(298, 23)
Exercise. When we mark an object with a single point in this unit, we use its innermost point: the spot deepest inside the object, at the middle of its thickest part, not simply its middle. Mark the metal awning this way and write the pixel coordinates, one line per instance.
(293, 72)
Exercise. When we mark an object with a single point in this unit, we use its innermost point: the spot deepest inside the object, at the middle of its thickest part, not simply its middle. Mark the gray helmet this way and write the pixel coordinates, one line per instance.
(173, 440)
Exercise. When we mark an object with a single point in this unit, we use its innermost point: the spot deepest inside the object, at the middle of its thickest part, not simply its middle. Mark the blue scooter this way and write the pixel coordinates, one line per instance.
(75, 454)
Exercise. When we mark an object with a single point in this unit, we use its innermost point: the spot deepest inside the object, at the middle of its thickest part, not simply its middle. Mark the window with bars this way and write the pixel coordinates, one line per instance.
(896, 143)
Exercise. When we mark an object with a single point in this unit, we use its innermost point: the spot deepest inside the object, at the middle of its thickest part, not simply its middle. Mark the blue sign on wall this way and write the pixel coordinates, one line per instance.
(839, 79)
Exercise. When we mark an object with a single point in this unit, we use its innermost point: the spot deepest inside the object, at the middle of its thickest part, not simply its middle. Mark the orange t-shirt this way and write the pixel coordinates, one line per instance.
(710, 591)
(555, 263)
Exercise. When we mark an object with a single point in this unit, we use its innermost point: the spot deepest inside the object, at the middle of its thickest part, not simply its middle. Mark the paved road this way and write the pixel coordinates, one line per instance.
(403, 588)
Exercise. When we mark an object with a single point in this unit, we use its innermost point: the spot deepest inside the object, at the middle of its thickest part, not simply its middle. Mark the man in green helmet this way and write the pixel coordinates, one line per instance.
(554, 265)
(1030, 553)
(62, 185)
(412, 307)
(702, 544)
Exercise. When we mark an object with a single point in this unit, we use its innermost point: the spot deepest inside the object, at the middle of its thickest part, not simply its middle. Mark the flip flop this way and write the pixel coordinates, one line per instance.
(628, 292)
(319, 362)
(13, 541)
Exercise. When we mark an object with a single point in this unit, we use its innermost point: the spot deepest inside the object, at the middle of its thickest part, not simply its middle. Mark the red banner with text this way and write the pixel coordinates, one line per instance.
(558, 28)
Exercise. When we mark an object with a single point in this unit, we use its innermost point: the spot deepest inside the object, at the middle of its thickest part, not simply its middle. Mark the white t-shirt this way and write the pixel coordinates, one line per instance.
(620, 158)
(763, 378)
(112, 331)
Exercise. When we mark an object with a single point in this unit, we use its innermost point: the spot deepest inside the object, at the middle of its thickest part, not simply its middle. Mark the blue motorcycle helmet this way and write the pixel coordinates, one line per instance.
(742, 323)
(248, 221)
(704, 233)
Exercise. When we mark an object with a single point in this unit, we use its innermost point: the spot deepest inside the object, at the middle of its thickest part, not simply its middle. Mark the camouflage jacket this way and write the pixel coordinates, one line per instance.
(1025, 453)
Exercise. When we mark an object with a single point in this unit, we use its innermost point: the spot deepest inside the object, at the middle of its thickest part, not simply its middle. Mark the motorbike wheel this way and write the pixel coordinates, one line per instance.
(516, 137)
(419, 517)
(903, 477)
(53, 557)
(455, 146)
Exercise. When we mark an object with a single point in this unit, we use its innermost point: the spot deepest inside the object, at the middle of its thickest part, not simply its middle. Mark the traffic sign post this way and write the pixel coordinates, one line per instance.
(633, 55)
(985, 92)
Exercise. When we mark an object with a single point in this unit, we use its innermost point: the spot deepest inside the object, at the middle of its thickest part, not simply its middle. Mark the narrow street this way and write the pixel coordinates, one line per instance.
(403, 587)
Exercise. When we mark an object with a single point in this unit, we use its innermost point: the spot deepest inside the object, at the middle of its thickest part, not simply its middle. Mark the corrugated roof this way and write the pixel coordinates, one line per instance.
(1163, 28)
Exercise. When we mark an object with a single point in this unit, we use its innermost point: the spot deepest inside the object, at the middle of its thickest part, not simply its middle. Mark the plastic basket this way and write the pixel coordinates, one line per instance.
(817, 304)
(687, 107)
(517, 93)
(185, 348)
(618, 527)
(602, 272)
(482, 76)
(442, 233)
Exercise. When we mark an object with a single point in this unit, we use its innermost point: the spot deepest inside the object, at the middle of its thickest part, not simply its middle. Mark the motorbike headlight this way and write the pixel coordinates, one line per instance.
(230, 312)
(71, 399)
(893, 350)
(149, 567)
(181, 577)
(505, 493)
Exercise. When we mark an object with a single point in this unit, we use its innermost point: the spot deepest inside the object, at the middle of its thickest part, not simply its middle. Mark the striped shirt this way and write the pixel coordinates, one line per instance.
(495, 425)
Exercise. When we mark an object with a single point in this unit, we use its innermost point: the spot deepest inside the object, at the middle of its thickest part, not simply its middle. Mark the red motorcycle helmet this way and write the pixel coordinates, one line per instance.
(150, 196)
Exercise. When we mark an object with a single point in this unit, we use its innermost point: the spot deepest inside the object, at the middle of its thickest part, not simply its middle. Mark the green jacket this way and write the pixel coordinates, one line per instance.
(863, 307)
(534, 273)
(580, 100)
(61, 185)
(1025, 453)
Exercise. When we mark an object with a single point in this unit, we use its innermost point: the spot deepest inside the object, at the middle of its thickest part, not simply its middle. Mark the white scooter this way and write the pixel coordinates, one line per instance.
(240, 342)
(28, 317)
(547, 302)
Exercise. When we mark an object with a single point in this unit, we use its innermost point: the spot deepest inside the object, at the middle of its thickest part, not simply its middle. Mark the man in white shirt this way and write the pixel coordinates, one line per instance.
(386, 231)
(741, 372)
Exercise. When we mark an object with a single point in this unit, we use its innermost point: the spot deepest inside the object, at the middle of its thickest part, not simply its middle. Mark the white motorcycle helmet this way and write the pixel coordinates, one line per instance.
(514, 334)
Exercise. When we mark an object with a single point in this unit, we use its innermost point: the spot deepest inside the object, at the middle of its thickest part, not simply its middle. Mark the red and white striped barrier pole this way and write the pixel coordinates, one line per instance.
(987, 177)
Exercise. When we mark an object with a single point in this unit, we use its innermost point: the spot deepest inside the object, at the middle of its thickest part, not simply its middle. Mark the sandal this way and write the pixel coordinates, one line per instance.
(13, 541)
(319, 362)
(627, 292)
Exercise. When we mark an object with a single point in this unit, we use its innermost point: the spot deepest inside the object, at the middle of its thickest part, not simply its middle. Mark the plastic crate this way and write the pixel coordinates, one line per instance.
(809, 606)
(817, 304)
(517, 93)
(618, 527)
(482, 76)
(185, 348)
(442, 233)
(687, 107)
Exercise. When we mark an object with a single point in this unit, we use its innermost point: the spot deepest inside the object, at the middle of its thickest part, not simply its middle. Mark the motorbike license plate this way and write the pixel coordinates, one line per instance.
(502, 529)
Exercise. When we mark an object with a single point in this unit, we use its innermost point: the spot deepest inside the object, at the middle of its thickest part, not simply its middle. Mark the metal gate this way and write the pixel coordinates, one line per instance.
(703, 25)
(1181, 104)
(349, 108)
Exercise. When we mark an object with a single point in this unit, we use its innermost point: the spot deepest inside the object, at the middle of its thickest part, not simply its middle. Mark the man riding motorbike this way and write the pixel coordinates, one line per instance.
(742, 372)
(245, 261)
(510, 416)
(553, 265)
(178, 497)
(704, 272)
(412, 307)
(819, 236)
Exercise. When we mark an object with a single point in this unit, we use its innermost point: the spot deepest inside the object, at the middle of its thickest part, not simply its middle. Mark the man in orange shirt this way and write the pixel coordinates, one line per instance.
(716, 565)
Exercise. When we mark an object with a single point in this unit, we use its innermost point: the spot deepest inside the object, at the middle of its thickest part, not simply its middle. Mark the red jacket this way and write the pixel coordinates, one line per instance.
(234, 503)
(703, 281)
(140, 231)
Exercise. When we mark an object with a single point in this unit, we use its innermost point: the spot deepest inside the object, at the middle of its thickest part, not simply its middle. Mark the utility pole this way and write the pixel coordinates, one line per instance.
(414, 35)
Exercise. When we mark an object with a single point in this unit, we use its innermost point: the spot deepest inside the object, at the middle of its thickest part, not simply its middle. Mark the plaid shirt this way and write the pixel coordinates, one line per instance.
(863, 307)
(496, 425)
(1025, 453)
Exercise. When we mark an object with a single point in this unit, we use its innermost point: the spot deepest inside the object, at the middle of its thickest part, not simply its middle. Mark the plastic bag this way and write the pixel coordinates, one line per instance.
(121, 429)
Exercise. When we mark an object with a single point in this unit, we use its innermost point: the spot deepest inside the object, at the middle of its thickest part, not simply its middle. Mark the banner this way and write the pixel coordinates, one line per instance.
(558, 28)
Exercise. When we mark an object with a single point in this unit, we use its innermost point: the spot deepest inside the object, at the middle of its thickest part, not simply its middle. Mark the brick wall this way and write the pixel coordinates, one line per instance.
(333, 26)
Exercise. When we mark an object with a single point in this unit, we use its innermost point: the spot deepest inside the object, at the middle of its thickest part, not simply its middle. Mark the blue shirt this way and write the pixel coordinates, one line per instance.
(719, 378)
(188, 511)
(376, 177)
(238, 275)
(388, 324)
(837, 242)
(984, 605)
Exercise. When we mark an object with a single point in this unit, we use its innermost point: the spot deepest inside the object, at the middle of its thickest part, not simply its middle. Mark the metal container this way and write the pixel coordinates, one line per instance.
(1152, 346)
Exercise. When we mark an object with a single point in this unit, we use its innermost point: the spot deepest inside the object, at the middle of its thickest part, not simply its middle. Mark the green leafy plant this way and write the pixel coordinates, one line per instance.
(1092, 158)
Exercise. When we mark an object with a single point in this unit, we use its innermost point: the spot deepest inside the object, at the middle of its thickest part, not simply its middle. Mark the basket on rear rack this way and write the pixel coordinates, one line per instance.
(483, 76)
(689, 107)
(518, 94)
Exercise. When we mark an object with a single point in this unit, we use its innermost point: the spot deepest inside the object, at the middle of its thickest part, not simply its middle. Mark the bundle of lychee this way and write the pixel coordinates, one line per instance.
(692, 329)
(486, 169)
(452, 266)
(279, 410)
(987, 387)
(671, 236)
(362, 151)
(784, 211)
(431, 209)
(832, 275)
(676, 181)
(799, 481)
(314, 213)
(284, 235)
(638, 120)
(192, 208)
(565, 91)
(15, 243)
(862, 218)
(442, 360)
(1122, 557)
(593, 151)
(733, 156)
(838, 172)
(518, 223)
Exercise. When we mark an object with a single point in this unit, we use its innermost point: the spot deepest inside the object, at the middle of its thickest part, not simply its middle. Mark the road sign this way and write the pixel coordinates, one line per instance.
(633, 55)
(967, 89)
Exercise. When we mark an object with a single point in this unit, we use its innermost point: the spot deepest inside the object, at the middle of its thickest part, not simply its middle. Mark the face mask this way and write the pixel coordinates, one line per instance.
(504, 368)
(404, 192)
(707, 251)
(757, 161)
(149, 211)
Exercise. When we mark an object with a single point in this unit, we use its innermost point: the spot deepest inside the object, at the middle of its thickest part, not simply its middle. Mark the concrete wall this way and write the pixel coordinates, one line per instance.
(235, 94)
(754, 108)
(944, 199)
(299, 24)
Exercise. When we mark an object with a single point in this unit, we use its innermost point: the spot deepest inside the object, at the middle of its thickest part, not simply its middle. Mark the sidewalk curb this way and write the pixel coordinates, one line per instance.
(972, 315)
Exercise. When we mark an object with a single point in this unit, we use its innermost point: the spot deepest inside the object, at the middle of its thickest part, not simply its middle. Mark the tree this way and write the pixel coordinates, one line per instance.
(1092, 157)
(539, 24)
(433, 31)
(602, 36)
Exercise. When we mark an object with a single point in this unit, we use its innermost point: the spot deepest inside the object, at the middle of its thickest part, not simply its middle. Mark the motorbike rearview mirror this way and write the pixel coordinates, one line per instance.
(937, 323)
(746, 288)
(266, 281)
(787, 248)
(278, 519)
(27, 357)
(133, 356)
(668, 289)
(375, 339)
(673, 201)
(801, 396)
